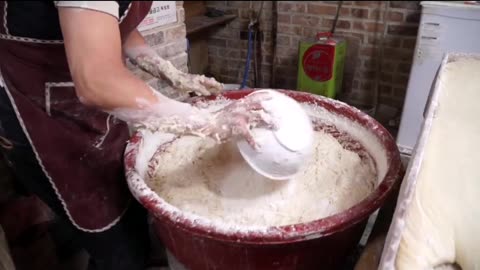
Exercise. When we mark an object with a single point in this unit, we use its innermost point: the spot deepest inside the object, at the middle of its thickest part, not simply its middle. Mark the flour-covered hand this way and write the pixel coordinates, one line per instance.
(199, 84)
(148, 60)
(238, 118)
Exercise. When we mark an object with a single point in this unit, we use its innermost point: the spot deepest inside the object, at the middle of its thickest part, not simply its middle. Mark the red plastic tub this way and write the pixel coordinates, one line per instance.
(320, 244)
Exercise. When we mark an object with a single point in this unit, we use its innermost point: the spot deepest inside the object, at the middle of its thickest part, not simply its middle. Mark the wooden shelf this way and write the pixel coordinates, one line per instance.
(199, 23)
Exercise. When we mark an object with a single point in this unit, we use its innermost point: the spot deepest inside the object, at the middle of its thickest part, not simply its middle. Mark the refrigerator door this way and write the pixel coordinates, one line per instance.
(444, 27)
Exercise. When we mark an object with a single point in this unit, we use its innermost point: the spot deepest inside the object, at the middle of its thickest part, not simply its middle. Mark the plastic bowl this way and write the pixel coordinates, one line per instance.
(282, 152)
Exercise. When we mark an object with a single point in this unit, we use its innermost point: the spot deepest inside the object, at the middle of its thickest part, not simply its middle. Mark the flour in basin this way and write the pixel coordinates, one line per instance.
(201, 177)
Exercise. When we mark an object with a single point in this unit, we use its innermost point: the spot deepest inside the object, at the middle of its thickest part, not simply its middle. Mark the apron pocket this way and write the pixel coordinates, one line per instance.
(63, 105)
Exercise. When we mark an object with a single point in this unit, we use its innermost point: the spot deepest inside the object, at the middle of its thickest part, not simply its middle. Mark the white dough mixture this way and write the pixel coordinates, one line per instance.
(213, 181)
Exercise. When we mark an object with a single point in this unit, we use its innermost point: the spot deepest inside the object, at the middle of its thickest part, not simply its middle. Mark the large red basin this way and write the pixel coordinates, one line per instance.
(320, 244)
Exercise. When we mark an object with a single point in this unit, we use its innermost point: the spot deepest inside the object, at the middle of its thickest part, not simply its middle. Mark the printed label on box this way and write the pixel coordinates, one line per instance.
(161, 13)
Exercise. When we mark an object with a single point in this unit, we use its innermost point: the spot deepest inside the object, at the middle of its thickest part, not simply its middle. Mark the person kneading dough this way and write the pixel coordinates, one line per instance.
(67, 101)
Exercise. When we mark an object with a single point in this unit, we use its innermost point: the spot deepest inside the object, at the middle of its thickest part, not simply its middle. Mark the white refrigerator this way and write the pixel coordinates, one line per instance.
(445, 26)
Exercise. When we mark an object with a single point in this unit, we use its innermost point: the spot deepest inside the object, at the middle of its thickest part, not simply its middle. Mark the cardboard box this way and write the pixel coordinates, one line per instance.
(161, 13)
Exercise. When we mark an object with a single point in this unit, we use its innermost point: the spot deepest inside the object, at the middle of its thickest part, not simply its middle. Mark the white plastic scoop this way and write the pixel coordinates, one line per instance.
(283, 151)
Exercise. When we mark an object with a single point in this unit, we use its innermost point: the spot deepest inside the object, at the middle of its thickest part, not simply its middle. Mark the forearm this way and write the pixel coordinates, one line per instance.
(93, 47)
(141, 54)
(111, 89)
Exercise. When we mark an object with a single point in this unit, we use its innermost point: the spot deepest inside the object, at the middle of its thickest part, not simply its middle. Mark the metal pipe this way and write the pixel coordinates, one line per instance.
(274, 43)
(334, 25)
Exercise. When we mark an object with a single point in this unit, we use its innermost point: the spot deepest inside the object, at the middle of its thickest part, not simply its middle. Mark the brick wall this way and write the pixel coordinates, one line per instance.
(171, 43)
(227, 52)
(360, 23)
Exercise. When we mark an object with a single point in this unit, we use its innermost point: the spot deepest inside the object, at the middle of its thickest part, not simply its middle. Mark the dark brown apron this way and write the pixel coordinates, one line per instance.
(80, 149)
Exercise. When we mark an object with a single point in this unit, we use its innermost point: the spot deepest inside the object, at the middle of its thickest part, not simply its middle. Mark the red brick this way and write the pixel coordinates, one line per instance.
(320, 9)
(384, 89)
(239, 4)
(345, 3)
(395, 16)
(368, 3)
(225, 33)
(245, 13)
(287, 61)
(347, 84)
(284, 18)
(341, 24)
(294, 41)
(310, 32)
(234, 72)
(351, 37)
(409, 43)
(369, 63)
(413, 17)
(290, 7)
(180, 14)
(266, 68)
(234, 44)
(404, 30)
(239, 24)
(154, 38)
(217, 68)
(358, 62)
(345, 11)
(367, 85)
(372, 40)
(286, 71)
(355, 84)
(266, 58)
(367, 51)
(400, 79)
(283, 40)
(266, 48)
(233, 54)
(386, 76)
(232, 11)
(366, 74)
(286, 52)
(403, 68)
(392, 42)
(329, 2)
(212, 50)
(399, 91)
(289, 29)
(305, 20)
(392, 101)
(217, 42)
(360, 13)
(368, 26)
(375, 14)
(387, 65)
(266, 37)
(222, 52)
(363, 96)
(215, 3)
(405, 4)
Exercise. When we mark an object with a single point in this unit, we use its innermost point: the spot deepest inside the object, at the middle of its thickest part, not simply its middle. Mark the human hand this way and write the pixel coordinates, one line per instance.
(148, 60)
(234, 120)
(199, 84)
(238, 118)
